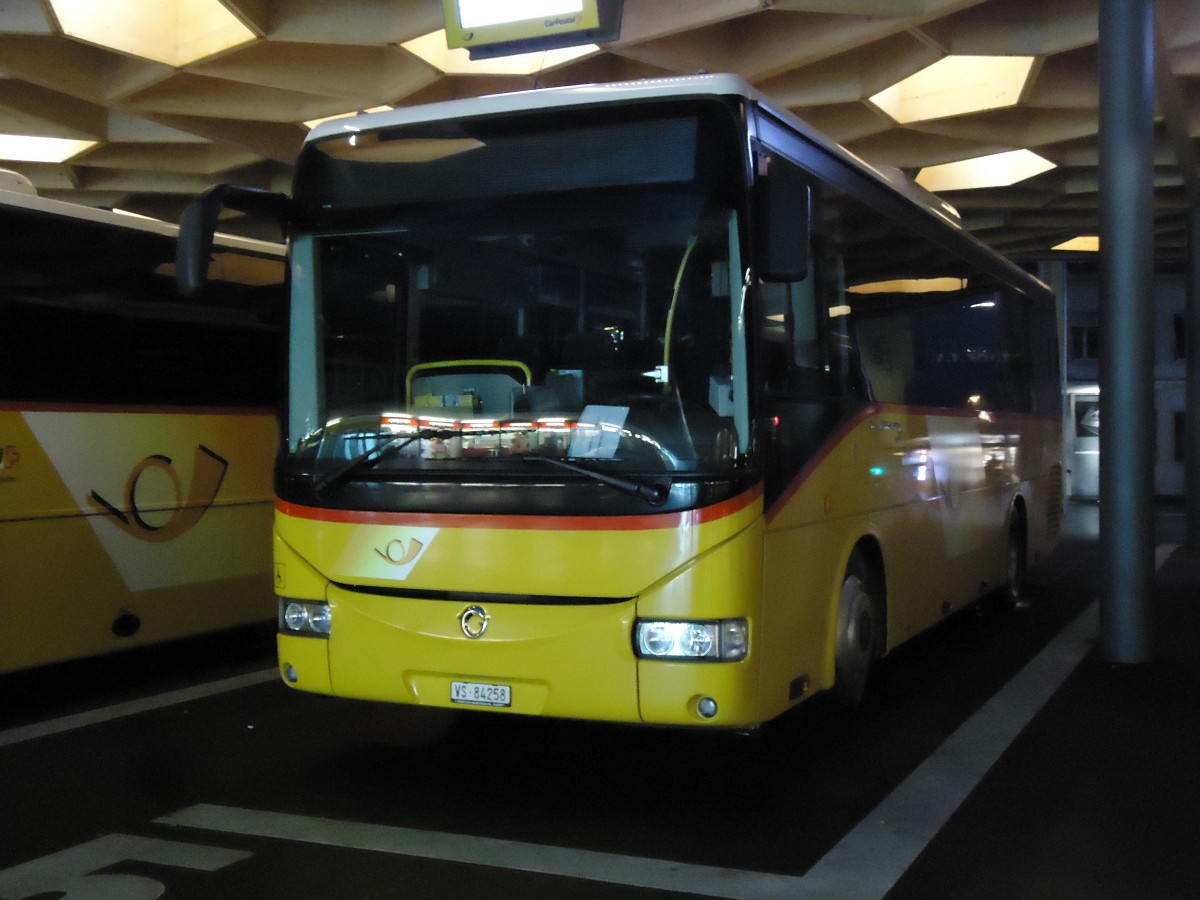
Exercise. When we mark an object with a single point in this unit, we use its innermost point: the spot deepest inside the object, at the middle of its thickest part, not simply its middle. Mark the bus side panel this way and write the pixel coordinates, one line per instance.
(124, 528)
(802, 566)
(933, 492)
(78, 606)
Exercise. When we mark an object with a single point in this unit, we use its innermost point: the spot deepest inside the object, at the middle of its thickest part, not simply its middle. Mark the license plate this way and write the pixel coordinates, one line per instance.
(477, 694)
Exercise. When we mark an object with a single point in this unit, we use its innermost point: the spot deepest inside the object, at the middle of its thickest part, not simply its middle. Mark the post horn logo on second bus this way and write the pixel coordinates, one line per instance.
(208, 472)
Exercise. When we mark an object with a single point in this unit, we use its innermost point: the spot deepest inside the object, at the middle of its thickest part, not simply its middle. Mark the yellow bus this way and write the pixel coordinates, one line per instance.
(641, 403)
(137, 432)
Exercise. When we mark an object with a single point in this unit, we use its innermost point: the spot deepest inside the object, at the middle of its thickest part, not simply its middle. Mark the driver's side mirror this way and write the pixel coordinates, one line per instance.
(199, 222)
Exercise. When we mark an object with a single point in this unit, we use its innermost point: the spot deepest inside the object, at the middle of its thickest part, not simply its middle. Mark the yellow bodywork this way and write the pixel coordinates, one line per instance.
(934, 494)
(120, 528)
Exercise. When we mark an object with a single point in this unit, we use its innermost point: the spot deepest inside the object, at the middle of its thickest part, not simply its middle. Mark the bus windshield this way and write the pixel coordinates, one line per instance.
(551, 287)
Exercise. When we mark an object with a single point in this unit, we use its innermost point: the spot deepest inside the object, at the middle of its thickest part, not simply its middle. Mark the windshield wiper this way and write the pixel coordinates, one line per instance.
(653, 494)
(374, 454)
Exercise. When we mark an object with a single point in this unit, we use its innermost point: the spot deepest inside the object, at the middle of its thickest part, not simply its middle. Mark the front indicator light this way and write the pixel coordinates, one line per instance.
(722, 640)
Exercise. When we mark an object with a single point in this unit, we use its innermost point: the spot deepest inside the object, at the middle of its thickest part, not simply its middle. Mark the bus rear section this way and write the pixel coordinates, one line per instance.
(124, 528)
(137, 433)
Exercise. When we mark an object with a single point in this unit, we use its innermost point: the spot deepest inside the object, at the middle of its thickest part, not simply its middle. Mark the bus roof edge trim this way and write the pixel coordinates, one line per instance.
(542, 98)
(124, 220)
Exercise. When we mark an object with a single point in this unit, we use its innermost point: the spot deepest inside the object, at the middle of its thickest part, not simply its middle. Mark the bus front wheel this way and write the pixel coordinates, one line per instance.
(859, 634)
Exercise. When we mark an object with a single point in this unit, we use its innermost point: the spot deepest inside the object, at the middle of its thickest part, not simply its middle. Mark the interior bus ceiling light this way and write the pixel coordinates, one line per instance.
(955, 85)
(1085, 243)
(910, 286)
(432, 49)
(175, 32)
(369, 148)
(995, 170)
(23, 148)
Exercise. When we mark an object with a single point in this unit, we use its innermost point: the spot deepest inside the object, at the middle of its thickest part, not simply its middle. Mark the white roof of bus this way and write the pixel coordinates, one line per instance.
(576, 95)
(32, 202)
(542, 98)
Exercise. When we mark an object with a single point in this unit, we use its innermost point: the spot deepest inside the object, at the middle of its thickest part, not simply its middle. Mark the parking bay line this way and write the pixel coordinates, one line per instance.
(864, 865)
(133, 707)
(589, 865)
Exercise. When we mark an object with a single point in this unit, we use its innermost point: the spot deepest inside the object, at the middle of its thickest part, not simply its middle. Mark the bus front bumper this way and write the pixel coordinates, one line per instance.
(574, 661)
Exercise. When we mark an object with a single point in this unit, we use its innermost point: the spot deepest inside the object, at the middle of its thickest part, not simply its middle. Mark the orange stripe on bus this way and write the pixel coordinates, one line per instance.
(826, 448)
(529, 523)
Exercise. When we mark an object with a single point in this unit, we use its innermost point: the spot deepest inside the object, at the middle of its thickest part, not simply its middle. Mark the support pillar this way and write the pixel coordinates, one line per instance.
(1192, 381)
(1127, 327)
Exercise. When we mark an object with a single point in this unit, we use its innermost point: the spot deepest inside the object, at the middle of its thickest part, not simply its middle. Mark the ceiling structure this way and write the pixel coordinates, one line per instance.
(170, 96)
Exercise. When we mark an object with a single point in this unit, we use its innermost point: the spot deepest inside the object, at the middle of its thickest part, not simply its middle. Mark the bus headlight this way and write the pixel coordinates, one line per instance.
(724, 639)
(305, 617)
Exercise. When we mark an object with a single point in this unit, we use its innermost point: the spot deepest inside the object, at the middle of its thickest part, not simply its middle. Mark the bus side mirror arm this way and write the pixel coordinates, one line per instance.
(783, 203)
(199, 223)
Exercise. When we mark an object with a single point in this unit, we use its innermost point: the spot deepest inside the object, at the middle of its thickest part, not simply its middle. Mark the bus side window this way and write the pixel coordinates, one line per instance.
(791, 344)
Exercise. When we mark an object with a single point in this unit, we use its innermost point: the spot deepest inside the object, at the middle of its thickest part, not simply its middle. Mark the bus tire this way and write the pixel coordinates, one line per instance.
(1016, 561)
(859, 633)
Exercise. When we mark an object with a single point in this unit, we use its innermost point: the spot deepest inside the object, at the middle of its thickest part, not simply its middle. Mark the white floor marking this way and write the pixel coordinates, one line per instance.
(590, 865)
(73, 872)
(869, 860)
(133, 707)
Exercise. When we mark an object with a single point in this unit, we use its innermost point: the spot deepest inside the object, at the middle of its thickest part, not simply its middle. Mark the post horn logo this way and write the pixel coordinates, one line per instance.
(474, 621)
(397, 554)
(207, 474)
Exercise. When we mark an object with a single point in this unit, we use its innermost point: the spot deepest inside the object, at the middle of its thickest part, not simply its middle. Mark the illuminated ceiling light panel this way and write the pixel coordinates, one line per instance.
(481, 13)
(996, 170)
(956, 85)
(910, 286)
(313, 123)
(433, 50)
(1086, 243)
(175, 32)
(40, 149)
